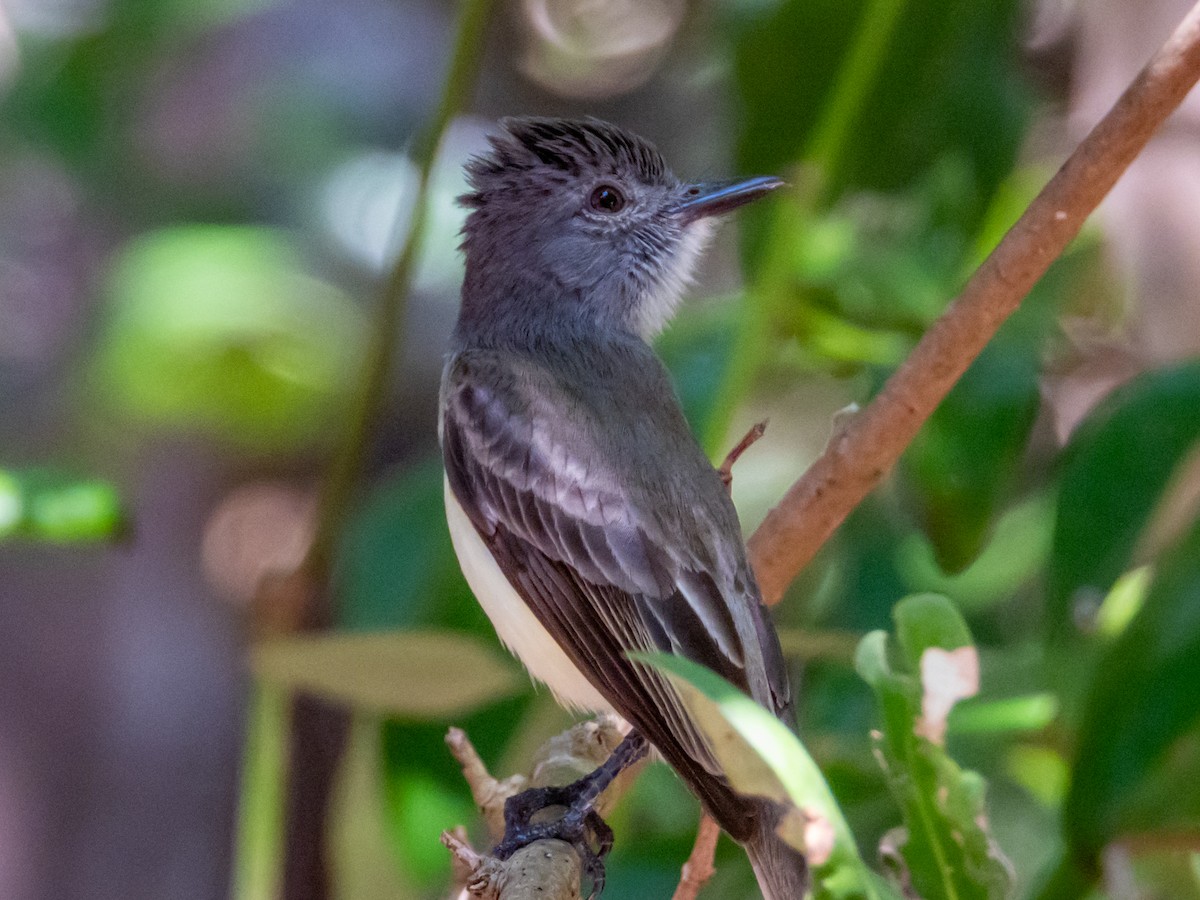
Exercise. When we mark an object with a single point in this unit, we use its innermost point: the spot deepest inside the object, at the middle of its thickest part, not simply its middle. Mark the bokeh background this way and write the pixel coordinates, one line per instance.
(200, 203)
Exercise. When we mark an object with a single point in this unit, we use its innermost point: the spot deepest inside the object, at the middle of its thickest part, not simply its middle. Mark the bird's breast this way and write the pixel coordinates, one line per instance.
(516, 625)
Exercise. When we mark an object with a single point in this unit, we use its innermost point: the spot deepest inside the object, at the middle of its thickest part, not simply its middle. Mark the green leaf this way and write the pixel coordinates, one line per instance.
(945, 845)
(961, 470)
(396, 565)
(924, 621)
(761, 756)
(947, 83)
(45, 505)
(1142, 715)
(961, 464)
(417, 674)
(219, 329)
(1117, 465)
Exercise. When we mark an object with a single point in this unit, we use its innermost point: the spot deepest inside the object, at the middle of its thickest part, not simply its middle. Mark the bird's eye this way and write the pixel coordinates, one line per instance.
(607, 198)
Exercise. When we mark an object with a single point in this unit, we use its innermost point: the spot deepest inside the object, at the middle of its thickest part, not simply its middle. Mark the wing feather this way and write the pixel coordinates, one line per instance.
(606, 572)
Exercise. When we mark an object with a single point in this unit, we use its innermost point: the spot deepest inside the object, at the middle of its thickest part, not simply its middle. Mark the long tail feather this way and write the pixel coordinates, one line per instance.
(781, 870)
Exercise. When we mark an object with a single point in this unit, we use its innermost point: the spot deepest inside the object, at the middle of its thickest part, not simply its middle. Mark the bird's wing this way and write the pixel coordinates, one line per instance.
(603, 576)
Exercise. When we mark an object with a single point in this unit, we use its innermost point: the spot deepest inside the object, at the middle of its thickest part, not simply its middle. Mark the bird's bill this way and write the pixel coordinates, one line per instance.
(716, 197)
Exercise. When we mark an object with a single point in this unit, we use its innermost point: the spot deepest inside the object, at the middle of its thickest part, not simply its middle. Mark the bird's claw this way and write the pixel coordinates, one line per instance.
(580, 826)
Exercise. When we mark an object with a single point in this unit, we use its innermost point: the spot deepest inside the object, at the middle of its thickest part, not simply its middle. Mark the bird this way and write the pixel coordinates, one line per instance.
(585, 516)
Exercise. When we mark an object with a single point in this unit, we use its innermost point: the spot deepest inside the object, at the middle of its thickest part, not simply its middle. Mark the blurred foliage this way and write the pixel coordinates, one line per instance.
(1114, 472)
(218, 328)
(46, 505)
(224, 216)
(397, 673)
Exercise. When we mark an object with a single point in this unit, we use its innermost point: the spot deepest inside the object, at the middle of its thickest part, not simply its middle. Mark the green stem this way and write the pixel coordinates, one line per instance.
(794, 212)
(386, 333)
(264, 795)
(857, 76)
(258, 869)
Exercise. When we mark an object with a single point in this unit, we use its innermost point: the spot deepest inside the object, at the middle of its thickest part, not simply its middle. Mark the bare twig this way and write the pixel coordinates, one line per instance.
(751, 437)
(858, 459)
(489, 793)
(699, 866)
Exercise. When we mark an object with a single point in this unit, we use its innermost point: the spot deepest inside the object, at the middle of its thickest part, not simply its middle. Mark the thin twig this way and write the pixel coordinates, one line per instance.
(489, 793)
(858, 458)
(699, 866)
(751, 437)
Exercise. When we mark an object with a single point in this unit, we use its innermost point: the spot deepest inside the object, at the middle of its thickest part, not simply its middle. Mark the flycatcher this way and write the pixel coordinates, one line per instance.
(586, 518)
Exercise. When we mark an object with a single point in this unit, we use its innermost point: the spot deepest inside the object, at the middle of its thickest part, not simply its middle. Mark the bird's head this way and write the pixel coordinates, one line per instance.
(581, 222)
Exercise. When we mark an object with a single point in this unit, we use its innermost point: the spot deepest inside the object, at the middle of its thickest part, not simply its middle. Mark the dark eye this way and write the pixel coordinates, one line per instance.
(607, 198)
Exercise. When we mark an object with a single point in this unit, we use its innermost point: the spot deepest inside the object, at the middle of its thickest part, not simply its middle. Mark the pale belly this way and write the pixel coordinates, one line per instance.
(518, 628)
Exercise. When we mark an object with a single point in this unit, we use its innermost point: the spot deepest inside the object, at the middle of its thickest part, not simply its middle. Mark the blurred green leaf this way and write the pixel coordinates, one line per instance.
(1117, 464)
(945, 845)
(925, 621)
(45, 505)
(1015, 555)
(696, 349)
(963, 461)
(419, 807)
(1142, 701)
(419, 674)
(950, 85)
(1031, 712)
(219, 329)
(963, 466)
(760, 756)
(396, 565)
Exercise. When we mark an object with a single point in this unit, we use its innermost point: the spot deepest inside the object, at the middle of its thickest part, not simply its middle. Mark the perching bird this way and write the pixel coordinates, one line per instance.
(586, 518)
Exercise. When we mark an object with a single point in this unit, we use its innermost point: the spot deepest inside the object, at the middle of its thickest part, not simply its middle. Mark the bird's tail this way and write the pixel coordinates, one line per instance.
(781, 870)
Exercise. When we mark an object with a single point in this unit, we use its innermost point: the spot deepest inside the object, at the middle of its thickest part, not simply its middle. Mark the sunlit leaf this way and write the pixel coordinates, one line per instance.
(220, 329)
(421, 674)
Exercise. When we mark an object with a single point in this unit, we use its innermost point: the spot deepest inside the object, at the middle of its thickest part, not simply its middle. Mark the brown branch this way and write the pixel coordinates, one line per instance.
(699, 866)
(858, 458)
(489, 793)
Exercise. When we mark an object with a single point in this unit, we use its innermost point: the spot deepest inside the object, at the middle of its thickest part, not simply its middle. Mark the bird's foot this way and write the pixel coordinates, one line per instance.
(580, 825)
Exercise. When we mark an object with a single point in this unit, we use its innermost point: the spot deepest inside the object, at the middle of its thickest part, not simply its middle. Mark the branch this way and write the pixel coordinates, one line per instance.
(858, 457)
(699, 866)
(548, 869)
(751, 438)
